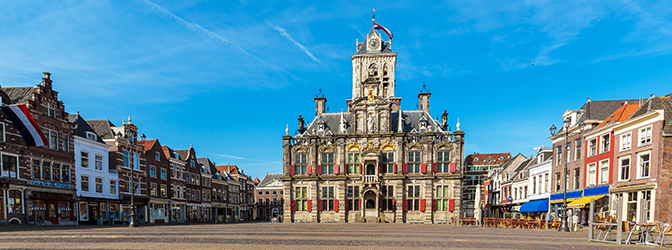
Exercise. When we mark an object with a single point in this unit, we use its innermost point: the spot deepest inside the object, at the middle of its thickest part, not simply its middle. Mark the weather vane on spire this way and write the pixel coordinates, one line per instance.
(374, 15)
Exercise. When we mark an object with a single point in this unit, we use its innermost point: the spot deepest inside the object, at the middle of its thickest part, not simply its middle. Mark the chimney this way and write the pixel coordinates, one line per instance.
(423, 98)
(320, 103)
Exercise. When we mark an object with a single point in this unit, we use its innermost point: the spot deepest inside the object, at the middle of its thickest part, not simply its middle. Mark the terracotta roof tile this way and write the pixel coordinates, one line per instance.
(621, 114)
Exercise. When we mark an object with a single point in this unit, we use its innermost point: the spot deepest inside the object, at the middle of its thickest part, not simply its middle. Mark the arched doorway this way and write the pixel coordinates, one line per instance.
(370, 207)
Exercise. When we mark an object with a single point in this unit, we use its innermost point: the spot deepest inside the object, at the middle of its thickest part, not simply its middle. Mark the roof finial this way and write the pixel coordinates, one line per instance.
(287, 129)
(458, 124)
(319, 94)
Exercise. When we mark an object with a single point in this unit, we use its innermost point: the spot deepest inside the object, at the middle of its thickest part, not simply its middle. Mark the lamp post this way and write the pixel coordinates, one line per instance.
(563, 215)
(133, 221)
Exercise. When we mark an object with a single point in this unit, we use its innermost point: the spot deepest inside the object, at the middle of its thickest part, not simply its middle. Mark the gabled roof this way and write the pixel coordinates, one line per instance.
(149, 144)
(600, 110)
(270, 178)
(256, 180)
(658, 103)
(19, 94)
(103, 128)
(208, 166)
(493, 158)
(81, 127)
(231, 169)
(183, 153)
(621, 114)
(514, 162)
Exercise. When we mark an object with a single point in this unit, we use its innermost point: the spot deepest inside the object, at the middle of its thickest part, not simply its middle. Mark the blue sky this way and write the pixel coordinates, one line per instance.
(228, 76)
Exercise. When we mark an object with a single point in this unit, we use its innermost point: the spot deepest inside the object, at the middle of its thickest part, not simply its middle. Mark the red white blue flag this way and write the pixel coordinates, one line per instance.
(24, 122)
(380, 27)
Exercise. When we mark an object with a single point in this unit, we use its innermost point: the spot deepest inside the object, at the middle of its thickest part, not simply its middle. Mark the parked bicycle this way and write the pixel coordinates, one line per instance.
(38, 222)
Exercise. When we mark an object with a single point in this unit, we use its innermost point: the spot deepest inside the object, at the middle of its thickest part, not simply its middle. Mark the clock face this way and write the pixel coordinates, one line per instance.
(374, 44)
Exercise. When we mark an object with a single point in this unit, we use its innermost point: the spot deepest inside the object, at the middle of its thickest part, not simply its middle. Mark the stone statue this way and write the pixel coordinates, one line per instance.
(369, 122)
(373, 70)
(444, 119)
(302, 124)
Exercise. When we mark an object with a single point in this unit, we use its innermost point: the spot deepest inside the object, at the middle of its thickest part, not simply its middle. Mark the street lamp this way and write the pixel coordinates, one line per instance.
(563, 215)
(133, 222)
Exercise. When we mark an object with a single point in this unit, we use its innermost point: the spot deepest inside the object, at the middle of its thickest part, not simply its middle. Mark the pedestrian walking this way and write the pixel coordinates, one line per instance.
(575, 222)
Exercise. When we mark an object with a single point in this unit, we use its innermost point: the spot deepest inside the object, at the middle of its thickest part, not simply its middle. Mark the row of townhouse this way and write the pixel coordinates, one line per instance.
(519, 187)
(612, 149)
(87, 172)
(619, 148)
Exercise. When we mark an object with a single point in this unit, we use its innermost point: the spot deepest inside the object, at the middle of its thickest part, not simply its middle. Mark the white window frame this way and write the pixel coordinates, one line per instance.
(626, 141)
(91, 136)
(604, 165)
(643, 135)
(81, 159)
(639, 165)
(96, 162)
(592, 167)
(9, 174)
(592, 151)
(620, 167)
(605, 148)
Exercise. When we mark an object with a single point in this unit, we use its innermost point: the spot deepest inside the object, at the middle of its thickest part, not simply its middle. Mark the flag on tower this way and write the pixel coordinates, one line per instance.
(380, 27)
(26, 125)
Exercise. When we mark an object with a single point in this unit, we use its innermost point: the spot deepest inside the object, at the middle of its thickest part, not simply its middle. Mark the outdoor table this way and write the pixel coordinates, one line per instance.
(645, 230)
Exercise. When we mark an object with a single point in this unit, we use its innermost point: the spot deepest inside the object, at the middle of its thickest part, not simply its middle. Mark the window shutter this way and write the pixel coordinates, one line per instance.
(292, 205)
(346, 205)
(423, 168)
(422, 205)
(360, 168)
(452, 167)
(434, 205)
(335, 169)
(404, 168)
(336, 205)
(380, 168)
(309, 171)
(292, 169)
(310, 207)
(405, 205)
(434, 167)
(451, 205)
(318, 170)
(395, 168)
(394, 204)
(360, 203)
(319, 205)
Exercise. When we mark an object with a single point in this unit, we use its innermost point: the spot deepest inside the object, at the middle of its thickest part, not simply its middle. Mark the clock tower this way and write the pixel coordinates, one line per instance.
(373, 67)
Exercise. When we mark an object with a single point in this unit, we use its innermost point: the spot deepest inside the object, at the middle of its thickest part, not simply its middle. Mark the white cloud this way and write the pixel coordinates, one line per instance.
(284, 33)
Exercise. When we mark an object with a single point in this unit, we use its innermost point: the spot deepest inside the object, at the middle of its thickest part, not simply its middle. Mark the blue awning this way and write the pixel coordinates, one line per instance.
(534, 206)
(596, 191)
(570, 195)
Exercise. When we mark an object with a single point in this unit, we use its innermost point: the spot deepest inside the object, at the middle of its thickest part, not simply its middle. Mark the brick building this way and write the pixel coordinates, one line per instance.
(270, 196)
(158, 178)
(127, 157)
(14, 175)
(373, 162)
(477, 167)
(50, 191)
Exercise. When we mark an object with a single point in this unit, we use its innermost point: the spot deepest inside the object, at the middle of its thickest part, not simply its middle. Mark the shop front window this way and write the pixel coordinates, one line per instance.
(65, 210)
(14, 202)
(83, 211)
(114, 211)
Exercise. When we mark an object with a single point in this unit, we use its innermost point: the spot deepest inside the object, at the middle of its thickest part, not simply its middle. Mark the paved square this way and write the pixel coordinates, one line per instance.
(290, 236)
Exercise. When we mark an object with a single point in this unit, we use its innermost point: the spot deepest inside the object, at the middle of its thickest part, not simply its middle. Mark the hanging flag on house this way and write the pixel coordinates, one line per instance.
(24, 122)
(380, 27)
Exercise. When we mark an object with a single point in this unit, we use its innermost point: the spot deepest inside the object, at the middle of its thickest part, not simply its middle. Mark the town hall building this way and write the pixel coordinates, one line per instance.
(373, 162)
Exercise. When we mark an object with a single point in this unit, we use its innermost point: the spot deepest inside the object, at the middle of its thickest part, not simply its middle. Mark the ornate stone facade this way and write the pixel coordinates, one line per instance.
(374, 162)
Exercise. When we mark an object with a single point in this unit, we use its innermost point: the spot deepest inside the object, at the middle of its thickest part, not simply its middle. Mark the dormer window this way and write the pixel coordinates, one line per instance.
(320, 126)
(475, 159)
(91, 136)
(501, 158)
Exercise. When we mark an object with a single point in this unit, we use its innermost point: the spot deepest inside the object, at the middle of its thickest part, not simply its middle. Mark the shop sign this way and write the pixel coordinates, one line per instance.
(50, 184)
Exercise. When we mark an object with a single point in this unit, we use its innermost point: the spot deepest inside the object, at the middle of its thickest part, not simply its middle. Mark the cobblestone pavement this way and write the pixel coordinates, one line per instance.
(290, 236)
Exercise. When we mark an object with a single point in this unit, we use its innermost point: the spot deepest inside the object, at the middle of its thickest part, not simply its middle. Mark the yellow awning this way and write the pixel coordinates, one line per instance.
(560, 200)
(581, 202)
